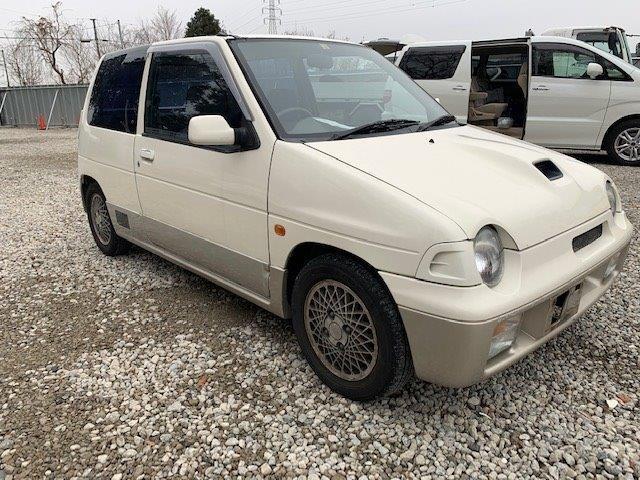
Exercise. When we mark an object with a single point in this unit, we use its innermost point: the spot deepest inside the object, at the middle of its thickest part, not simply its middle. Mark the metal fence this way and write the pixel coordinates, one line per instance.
(38, 106)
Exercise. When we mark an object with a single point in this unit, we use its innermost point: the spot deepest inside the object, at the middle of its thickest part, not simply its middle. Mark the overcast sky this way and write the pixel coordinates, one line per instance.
(366, 19)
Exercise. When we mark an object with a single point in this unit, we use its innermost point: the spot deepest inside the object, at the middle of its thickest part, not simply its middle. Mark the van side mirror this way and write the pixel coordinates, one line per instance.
(594, 70)
(211, 130)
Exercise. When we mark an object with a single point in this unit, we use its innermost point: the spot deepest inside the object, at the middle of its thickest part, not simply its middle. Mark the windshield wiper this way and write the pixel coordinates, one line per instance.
(376, 127)
(443, 120)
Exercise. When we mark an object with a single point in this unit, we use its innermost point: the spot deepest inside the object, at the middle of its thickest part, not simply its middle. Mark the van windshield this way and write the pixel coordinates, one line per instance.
(606, 41)
(316, 90)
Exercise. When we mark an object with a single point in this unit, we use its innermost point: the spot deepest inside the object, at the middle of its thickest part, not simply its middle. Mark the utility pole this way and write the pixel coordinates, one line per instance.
(6, 72)
(120, 34)
(95, 37)
(273, 12)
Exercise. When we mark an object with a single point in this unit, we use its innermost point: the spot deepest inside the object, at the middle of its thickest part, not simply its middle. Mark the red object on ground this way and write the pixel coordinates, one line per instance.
(41, 123)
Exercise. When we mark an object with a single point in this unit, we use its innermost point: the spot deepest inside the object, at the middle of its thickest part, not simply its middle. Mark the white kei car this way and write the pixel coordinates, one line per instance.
(556, 92)
(398, 241)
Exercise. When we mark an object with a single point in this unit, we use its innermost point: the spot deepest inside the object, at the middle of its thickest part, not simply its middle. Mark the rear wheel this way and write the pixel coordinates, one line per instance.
(349, 328)
(101, 227)
(623, 144)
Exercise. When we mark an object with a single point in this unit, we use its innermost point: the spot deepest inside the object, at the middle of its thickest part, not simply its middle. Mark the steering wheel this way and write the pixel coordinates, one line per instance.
(293, 115)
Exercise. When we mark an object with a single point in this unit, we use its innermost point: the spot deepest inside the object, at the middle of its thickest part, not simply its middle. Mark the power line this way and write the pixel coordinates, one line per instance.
(252, 19)
(354, 15)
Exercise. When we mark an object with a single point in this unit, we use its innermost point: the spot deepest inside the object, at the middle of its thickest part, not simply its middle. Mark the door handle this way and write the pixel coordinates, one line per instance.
(541, 88)
(147, 154)
(459, 88)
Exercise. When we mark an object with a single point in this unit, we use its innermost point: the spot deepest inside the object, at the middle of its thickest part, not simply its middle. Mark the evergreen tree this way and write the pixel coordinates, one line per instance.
(203, 22)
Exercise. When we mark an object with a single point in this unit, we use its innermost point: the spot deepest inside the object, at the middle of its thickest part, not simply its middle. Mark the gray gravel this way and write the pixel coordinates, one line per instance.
(132, 368)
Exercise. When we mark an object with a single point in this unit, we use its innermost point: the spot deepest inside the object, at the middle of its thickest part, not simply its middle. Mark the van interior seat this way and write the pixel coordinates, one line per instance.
(480, 110)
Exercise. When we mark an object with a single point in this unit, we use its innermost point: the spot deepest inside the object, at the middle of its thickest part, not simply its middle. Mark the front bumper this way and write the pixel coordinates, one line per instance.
(452, 349)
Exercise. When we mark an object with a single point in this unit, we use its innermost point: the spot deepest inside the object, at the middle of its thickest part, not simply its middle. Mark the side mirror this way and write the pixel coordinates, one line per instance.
(594, 70)
(212, 130)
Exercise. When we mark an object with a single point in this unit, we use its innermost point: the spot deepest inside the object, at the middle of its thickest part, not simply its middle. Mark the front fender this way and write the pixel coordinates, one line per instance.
(318, 198)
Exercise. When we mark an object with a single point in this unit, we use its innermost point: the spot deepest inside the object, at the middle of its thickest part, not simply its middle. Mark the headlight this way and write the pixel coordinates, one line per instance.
(613, 198)
(489, 255)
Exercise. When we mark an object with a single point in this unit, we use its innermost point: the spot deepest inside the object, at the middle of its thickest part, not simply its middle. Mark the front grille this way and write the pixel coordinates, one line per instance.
(587, 238)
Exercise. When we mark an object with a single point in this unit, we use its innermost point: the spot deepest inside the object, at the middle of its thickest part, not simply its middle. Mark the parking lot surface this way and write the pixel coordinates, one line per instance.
(130, 367)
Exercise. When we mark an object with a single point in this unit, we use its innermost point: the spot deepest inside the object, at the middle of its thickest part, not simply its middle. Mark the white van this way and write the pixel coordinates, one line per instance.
(315, 179)
(556, 92)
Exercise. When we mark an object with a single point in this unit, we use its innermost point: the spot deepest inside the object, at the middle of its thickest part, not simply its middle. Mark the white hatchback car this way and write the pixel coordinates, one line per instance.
(284, 170)
(555, 92)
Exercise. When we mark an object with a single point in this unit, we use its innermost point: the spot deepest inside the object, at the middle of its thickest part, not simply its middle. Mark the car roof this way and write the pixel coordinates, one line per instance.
(224, 38)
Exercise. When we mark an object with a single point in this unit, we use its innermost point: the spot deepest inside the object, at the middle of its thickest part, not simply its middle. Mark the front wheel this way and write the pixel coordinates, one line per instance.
(623, 144)
(349, 328)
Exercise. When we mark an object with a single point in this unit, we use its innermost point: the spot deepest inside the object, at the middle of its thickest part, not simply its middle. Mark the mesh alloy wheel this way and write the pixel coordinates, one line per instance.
(340, 330)
(627, 144)
(100, 219)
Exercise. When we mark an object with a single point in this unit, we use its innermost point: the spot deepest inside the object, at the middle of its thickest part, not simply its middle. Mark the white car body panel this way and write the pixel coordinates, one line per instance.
(476, 177)
(566, 113)
(371, 218)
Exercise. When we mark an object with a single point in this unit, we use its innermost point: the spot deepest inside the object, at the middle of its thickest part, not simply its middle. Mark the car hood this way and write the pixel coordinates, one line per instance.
(477, 177)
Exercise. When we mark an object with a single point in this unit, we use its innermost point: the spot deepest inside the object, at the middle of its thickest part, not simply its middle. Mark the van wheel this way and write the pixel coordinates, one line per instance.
(623, 143)
(349, 328)
(101, 227)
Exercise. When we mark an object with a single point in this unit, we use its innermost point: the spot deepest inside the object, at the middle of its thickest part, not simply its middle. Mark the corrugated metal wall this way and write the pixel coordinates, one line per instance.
(22, 106)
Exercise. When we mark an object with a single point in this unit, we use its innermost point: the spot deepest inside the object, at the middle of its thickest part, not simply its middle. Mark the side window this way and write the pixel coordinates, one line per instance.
(432, 63)
(114, 98)
(561, 61)
(182, 86)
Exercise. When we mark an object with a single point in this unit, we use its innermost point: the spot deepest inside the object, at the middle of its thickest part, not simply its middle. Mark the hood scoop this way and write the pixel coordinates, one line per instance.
(548, 169)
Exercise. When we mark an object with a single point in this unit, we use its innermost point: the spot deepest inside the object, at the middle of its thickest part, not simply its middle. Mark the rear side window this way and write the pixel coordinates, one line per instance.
(184, 85)
(432, 63)
(114, 97)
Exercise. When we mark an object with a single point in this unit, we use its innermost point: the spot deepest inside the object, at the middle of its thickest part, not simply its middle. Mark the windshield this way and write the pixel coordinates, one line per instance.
(606, 41)
(315, 90)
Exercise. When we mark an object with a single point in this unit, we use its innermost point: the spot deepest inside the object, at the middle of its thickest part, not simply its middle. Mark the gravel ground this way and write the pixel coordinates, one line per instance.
(133, 368)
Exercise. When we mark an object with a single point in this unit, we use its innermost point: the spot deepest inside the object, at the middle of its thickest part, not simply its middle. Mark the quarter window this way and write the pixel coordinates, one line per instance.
(432, 63)
(114, 98)
(182, 86)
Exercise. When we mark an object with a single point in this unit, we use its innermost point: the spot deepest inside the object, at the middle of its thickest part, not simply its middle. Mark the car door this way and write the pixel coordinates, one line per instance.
(204, 205)
(444, 71)
(566, 108)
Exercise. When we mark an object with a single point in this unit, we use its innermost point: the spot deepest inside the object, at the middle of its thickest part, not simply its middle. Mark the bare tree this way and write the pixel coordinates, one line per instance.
(300, 32)
(24, 62)
(49, 35)
(79, 56)
(164, 25)
(307, 32)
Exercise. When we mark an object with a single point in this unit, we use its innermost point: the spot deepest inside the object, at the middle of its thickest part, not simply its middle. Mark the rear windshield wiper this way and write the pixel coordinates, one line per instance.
(443, 120)
(375, 127)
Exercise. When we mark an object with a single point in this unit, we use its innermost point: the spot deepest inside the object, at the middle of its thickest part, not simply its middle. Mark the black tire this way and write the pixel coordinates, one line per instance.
(393, 366)
(115, 245)
(610, 142)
